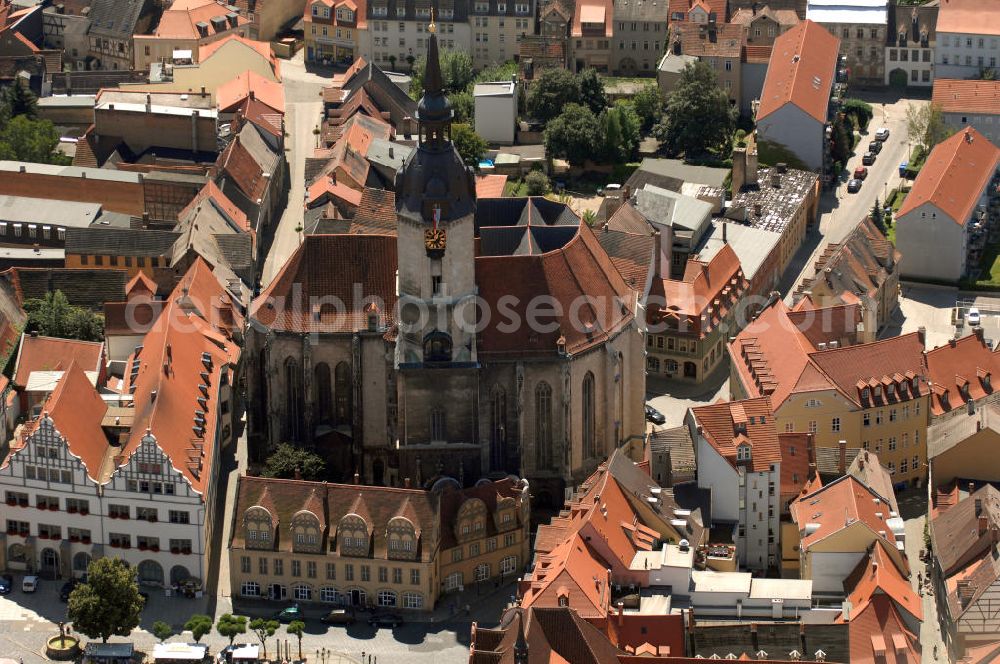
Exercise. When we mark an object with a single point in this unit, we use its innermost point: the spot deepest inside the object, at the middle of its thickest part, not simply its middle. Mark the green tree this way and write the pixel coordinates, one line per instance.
(699, 117)
(162, 630)
(843, 141)
(861, 111)
(456, 73)
(574, 135)
(554, 89)
(199, 625)
(264, 629)
(109, 603)
(648, 103)
(537, 183)
(504, 71)
(297, 628)
(592, 91)
(627, 126)
(54, 316)
(287, 459)
(877, 216)
(24, 139)
(925, 126)
(231, 626)
(611, 132)
(20, 100)
(470, 145)
(464, 106)
(392, 62)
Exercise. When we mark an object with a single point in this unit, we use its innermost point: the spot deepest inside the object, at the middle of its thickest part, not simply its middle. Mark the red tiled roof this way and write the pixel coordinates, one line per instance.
(878, 634)
(240, 165)
(839, 505)
(579, 269)
(722, 425)
(179, 20)
(171, 363)
(212, 192)
(966, 361)
(376, 213)
(53, 354)
(571, 571)
(758, 54)
(972, 17)
(707, 290)
(803, 64)
(77, 410)
(329, 266)
(490, 493)
(876, 574)
(142, 283)
(961, 96)
(490, 186)
(794, 462)
(726, 40)
(897, 359)
(326, 188)
(231, 94)
(263, 116)
(954, 176)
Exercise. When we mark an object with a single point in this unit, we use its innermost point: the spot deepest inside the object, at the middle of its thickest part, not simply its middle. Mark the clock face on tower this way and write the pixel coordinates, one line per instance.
(435, 239)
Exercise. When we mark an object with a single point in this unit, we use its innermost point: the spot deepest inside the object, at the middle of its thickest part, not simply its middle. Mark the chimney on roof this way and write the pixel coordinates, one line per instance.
(978, 331)
(203, 92)
(874, 567)
(739, 173)
(149, 103)
(406, 482)
(972, 488)
(984, 525)
(951, 342)
(22, 169)
(194, 130)
(725, 240)
(842, 463)
(357, 478)
(968, 136)
(922, 335)
(621, 614)
(677, 46)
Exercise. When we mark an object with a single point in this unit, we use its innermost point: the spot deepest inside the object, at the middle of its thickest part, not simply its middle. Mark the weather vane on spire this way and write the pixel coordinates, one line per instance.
(432, 28)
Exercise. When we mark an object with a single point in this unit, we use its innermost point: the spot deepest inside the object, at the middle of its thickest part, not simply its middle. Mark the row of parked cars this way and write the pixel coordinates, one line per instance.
(340, 616)
(861, 172)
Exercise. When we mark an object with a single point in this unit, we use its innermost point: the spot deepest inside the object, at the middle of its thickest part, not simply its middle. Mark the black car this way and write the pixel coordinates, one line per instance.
(654, 416)
(868, 159)
(6, 584)
(853, 186)
(392, 620)
(875, 147)
(67, 589)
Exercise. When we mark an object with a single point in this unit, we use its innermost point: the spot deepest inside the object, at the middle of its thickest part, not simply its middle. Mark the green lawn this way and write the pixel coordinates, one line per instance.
(515, 188)
(990, 260)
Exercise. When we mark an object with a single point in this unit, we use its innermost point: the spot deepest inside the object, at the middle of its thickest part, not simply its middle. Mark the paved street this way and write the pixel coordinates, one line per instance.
(841, 211)
(303, 107)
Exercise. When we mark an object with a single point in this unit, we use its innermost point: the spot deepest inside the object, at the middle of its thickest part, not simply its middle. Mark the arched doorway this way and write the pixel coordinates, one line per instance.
(690, 370)
(897, 78)
(150, 573)
(50, 563)
(179, 573)
(378, 472)
(81, 561)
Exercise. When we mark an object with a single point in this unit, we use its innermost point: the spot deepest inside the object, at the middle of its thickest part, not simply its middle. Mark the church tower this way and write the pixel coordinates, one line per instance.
(436, 345)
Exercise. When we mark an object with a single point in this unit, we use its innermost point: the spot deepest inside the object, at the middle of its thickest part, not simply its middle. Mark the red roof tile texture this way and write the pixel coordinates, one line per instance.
(53, 354)
(878, 634)
(76, 410)
(961, 370)
(726, 425)
(961, 96)
(803, 64)
(954, 176)
(972, 17)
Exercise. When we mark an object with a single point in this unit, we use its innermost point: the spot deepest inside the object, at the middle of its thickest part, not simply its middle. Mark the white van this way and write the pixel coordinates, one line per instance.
(29, 584)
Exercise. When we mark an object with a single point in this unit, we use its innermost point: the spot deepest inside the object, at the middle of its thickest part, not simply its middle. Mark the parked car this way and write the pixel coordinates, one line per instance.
(973, 318)
(868, 159)
(343, 616)
(392, 620)
(875, 146)
(654, 416)
(853, 186)
(29, 584)
(67, 589)
(6, 584)
(860, 173)
(882, 134)
(289, 614)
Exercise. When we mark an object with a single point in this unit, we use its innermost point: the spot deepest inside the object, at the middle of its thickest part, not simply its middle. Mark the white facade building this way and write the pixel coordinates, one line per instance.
(496, 111)
(968, 38)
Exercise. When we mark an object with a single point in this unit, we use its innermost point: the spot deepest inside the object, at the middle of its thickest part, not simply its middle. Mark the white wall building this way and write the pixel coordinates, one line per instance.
(496, 111)
(968, 38)
(942, 223)
(739, 461)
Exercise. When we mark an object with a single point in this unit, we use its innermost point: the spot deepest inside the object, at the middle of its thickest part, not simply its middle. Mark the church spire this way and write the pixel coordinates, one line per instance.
(434, 110)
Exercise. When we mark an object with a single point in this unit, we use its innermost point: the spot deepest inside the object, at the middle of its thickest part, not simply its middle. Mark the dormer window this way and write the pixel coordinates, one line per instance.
(986, 382)
(315, 10)
(878, 392)
(965, 391)
(866, 394)
(915, 386)
(743, 453)
(892, 391)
